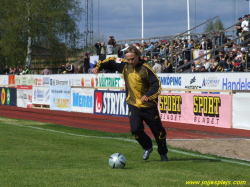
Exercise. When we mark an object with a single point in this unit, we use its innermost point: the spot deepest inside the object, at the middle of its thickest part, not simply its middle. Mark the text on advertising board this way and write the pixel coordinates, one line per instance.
(170, 80)
(170, 103)
(82, 100)
(111, 103)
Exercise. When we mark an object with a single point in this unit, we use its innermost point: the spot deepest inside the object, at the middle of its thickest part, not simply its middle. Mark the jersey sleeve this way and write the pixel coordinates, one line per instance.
(155, 83)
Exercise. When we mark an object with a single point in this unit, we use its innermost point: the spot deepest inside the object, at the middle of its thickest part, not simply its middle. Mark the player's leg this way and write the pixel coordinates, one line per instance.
(152, 118)
(137, 129)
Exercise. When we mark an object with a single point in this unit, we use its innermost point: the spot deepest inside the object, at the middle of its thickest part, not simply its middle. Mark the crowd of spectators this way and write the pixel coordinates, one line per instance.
(14, 71)
(171, 56)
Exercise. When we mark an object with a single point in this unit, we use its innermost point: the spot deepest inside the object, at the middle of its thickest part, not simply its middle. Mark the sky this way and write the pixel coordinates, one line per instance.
(122, 18)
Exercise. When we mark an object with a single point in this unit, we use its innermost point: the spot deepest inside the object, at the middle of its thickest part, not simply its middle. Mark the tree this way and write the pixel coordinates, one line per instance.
(43, 23)
(214, 26)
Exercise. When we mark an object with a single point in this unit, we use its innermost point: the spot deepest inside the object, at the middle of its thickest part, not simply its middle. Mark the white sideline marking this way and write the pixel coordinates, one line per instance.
(128, 140)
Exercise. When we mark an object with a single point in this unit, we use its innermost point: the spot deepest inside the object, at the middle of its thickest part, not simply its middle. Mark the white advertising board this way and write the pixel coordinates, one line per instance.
(241, 108)
(60, 98)
(4, 80)
(41, 95)
(24, 96)
(82, 100)
(110, 80)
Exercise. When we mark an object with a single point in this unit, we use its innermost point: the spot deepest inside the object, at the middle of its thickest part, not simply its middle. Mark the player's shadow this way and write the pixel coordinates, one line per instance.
(195, 159)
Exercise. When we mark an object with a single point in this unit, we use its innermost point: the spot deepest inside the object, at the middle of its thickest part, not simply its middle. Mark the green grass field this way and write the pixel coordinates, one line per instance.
(38, 154)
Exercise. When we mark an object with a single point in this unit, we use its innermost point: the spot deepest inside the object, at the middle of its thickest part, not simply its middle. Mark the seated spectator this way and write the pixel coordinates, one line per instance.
(223, 59)
(232, 55)
(187, 67)
(214, 67)
(203, 69)
(197, 68)
(239, 55)
(167, 67)
(237, 67)
(219, 69)
(206, 64)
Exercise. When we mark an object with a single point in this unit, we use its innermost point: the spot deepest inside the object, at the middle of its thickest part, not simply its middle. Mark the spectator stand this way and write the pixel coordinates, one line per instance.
(212, 51)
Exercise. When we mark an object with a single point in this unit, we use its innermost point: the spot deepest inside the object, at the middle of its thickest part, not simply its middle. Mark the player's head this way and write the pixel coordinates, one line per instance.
(133, 55)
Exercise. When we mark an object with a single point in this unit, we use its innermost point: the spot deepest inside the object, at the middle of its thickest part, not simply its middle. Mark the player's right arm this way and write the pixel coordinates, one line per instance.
(111, 63)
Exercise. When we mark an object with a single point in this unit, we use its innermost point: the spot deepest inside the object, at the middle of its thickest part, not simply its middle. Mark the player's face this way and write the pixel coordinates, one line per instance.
(132, 58)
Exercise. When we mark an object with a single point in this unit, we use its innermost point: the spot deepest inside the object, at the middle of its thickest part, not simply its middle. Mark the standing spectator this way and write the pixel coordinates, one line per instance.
(239, 29)
(186, 50)
(245, 29)
(86, 63)
(6, 70)
(27, 70)
(103, 51)
(111, 45)
(80, 69)
(21, 71)
(119, 52)
(16, 71)
(70, 68)
(157, 67)
(46, 71)
(98, 48)
(11, 71)
(220, 39)
(1, 70)
(123, 50)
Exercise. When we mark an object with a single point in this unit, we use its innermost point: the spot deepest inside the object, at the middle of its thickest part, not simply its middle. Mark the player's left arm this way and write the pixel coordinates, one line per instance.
(155, 83)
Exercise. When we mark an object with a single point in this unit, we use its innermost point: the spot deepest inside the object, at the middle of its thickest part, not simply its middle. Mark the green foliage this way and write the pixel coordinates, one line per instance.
(42, 154)
(214, 26)
(49, 23)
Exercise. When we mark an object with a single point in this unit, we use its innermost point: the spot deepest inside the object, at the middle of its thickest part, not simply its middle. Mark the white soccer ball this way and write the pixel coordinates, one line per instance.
(117, 161)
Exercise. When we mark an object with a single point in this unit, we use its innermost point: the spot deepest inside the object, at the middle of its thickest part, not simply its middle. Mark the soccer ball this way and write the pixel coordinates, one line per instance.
(117, 161)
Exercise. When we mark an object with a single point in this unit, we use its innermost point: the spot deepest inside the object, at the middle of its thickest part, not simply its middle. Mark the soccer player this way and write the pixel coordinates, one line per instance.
(142, 89)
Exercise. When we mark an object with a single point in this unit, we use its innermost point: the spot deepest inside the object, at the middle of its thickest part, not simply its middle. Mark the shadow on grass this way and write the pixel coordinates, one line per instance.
(187, 159)
(195, 159)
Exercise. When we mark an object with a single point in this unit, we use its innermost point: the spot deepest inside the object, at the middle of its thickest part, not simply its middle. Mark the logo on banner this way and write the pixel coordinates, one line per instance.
(82, 82)
(98, 102)
(8, 96)
(206, 109)
(210, 82)
(61, 103)
(82, 100)
(170, 107)
(193, 80)
(3, 96)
